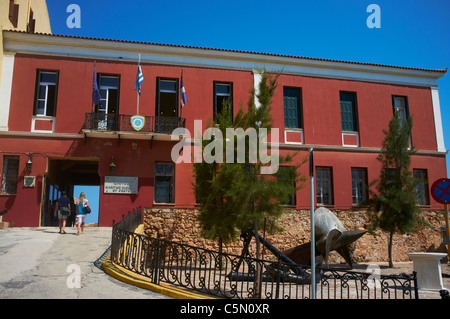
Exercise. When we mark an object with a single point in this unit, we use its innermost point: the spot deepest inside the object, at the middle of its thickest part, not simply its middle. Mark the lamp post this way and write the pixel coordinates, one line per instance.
(313, 243)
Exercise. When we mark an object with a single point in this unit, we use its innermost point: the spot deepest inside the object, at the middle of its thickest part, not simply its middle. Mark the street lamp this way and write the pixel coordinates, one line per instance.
(29, 163)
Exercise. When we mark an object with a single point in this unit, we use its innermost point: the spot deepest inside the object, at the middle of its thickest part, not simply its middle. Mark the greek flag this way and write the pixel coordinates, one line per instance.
(139, 79)
(183, 92)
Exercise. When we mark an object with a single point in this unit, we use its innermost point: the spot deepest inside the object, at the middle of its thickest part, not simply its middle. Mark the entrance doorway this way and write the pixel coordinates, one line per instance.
(92, 193)
(63, 174)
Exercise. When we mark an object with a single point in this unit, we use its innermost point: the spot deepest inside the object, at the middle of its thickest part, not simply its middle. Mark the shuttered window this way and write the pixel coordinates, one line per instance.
(292, 108)
(421, 188)
(10, 174)
(348, 112)
(359, 185)
(324, 194)
(164, 183)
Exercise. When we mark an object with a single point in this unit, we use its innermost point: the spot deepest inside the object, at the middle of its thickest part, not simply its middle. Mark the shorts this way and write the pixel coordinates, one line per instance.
(61, 216)
(81, 218)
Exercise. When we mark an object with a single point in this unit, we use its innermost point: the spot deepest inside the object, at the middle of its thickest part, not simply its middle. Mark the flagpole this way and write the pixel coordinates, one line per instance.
(92, 104)
(181, 109)
(137, 91)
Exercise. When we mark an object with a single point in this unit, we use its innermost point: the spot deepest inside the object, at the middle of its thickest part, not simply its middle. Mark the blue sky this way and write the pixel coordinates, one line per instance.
(413, 33)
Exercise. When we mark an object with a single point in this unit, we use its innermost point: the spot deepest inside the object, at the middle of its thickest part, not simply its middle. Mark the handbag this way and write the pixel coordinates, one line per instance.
(87, 209)
(65, 210)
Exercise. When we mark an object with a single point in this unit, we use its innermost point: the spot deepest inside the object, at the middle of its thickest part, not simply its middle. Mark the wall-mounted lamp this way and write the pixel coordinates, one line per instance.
(112, 166)
(29, 163)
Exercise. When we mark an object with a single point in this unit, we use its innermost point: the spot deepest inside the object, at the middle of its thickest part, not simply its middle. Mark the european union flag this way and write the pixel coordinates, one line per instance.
(183, 92)
(139, 78)
(95, 91)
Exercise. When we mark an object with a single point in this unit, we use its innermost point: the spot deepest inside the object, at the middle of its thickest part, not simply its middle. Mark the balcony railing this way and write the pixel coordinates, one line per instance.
(121, 122)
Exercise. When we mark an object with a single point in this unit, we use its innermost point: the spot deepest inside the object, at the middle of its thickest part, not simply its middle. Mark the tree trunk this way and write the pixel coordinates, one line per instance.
(391, 235)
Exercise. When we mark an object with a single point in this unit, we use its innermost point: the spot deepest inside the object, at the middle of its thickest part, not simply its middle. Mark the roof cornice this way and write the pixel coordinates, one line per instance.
(95, 48)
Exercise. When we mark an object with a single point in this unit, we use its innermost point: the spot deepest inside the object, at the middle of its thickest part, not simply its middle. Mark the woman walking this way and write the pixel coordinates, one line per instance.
(62, 208)
(82, 203)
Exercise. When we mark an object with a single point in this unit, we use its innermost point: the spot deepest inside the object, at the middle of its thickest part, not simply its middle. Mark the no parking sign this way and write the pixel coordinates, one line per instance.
(440, 190)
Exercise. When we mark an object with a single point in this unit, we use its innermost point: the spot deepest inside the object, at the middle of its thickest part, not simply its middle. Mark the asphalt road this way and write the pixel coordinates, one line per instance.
(40, 263)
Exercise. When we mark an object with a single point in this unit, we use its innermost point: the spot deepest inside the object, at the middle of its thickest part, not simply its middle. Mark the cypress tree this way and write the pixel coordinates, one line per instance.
(394, 208)
(236, 197)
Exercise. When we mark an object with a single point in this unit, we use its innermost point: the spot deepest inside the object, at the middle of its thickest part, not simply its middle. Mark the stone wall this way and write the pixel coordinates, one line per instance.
(180, 225)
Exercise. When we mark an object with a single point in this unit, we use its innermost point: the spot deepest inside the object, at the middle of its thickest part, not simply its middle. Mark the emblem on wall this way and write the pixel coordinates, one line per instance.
(137, 122)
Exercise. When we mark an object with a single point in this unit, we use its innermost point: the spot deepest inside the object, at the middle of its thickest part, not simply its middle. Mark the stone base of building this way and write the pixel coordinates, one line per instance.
(180, 225)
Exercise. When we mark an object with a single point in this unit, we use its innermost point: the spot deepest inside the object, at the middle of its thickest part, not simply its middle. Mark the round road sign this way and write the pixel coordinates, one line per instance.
(440, 190)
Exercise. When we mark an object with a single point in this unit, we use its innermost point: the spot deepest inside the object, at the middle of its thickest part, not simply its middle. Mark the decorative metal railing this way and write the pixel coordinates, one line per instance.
(232, 276)
(121, 122)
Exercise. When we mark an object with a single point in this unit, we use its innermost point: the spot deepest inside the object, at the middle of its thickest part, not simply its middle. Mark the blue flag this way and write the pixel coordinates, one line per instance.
(139, 78)
(95, 91)
(183, 92)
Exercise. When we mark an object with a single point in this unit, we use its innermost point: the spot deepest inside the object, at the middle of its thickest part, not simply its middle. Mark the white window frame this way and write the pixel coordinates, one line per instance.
(325, 173)
(45, 99)
(359, 182)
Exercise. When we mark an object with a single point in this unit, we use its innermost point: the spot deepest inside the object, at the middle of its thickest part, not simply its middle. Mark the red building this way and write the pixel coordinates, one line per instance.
(53, 137)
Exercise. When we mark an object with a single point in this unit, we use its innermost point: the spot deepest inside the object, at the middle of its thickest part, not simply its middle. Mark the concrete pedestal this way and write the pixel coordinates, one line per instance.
(428, 268)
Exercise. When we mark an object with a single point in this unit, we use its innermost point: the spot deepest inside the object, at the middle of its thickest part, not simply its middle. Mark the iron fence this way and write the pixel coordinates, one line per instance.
(121, 122)
(231, 276)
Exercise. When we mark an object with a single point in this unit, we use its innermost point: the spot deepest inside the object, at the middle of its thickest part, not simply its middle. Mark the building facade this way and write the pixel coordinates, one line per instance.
(52, 135)
(23, 15)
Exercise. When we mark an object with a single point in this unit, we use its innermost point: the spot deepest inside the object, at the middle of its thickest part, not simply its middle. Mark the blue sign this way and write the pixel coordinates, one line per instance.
(137, 122)
(441, 190)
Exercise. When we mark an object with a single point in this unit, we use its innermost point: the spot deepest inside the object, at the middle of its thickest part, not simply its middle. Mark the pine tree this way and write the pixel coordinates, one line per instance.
(394, 208)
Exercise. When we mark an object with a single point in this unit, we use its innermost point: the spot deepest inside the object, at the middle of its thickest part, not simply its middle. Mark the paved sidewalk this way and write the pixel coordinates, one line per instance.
(41, 263)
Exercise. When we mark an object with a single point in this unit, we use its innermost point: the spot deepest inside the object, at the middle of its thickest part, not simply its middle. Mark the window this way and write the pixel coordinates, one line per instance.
(359, 185)
(390, 177)
(109, 86)
(31, 23)
(292, 108)
(10, 174)
(46, 91)
(167, 95)
(348, 112)
(108, 107)
(223, 96)
(164, 183)
(421, 188)
(324, 193)
(400, 105)
(284, 174)
(13, 13)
